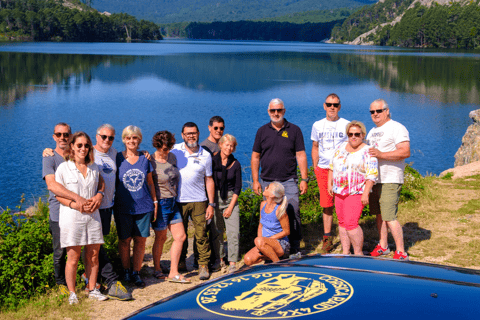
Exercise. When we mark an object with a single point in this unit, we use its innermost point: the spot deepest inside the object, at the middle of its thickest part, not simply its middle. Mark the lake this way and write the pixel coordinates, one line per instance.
(161, 85)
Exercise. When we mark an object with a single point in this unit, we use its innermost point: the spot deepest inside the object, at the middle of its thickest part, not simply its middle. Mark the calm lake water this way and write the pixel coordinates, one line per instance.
(161, 85)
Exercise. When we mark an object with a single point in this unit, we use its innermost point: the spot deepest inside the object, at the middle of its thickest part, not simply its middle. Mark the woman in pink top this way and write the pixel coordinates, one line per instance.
(351, 176)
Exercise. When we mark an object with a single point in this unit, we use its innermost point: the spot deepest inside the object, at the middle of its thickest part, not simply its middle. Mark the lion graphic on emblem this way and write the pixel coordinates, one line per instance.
(275, 293)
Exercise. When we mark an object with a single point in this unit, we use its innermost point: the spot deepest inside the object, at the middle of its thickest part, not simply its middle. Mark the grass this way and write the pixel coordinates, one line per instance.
(52, 306)
(441, 226)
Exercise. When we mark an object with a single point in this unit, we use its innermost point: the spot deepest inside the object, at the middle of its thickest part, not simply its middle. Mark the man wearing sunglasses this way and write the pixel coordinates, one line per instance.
(278, 147)
(391, 146)
(61, 135)
(327, 135)
(216, 127)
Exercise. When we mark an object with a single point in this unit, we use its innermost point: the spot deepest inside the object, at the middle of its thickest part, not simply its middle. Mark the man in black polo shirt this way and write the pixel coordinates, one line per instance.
(278, 147)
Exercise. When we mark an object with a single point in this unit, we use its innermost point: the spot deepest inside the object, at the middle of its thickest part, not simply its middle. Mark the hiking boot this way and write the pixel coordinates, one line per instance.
(73, 298)
(137, 279)
(327, 245)
(127, 275)
(63, 290)
(232, 268)
(379, 251)
(182, 266)
(400, 255)
(119, 292)
(95, 294)
(203, 273)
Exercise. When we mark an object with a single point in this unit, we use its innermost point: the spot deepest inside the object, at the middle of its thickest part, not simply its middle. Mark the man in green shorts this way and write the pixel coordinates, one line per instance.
(390, 144)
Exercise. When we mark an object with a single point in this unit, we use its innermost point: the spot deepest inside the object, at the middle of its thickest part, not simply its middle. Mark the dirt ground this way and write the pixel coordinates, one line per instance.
(155, 289)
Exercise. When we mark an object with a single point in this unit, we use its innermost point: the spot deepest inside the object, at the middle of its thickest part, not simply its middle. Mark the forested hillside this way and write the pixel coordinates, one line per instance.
(449, 26)
(177, 29)
(368, 18)
(42, 20)
(266, 31)
(167, 11)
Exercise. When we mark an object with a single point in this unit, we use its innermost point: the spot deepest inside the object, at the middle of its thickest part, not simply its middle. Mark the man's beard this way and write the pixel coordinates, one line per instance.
(192, 145)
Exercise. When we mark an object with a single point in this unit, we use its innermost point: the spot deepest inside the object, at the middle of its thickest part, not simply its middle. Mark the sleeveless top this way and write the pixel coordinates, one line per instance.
(270, 223)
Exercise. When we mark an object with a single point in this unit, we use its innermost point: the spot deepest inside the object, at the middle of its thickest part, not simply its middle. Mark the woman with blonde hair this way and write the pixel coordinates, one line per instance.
(352, 174)
(273, 230)
(136, 203)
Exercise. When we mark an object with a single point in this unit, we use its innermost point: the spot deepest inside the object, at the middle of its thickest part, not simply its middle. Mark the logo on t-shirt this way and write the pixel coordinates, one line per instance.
(133, 180)
(106, 167)
(285, 134)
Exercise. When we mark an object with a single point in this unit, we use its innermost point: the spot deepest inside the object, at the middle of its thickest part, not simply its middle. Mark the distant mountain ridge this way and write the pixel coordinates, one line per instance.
(167, 11)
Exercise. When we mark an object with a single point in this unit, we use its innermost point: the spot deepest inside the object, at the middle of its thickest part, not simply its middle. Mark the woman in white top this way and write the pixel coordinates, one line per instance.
(352, 174)
(81, 226)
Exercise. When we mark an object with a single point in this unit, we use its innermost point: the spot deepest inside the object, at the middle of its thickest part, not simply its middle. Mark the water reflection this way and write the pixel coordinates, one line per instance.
(445, 79)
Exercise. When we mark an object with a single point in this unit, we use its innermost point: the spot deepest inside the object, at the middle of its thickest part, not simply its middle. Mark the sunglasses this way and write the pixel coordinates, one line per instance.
(59, 134)
(218, 128)
(104, 137)
(377, 111)
(190, 134)
(81, 145)
(276, 110)
(335, 105)
(356, 134)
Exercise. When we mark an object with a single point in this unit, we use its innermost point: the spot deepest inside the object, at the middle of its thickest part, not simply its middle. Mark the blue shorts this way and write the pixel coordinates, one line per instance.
(168, 213)
(285, 244)
(133, 225)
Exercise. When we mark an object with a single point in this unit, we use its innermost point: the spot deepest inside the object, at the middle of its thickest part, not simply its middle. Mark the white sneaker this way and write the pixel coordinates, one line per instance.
(73, 298)
(95, 294)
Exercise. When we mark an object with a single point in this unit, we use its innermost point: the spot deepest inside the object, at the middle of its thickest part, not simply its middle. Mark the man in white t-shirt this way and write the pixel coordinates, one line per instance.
(391, 146)
(195, 165)
(327, 135)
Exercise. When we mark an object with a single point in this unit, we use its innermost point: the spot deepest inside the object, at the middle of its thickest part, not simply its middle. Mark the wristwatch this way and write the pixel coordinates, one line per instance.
(212, 204)
(306, 180)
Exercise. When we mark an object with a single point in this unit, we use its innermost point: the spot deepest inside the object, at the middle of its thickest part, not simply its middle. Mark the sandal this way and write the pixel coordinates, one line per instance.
(179, 279)
(159, 275)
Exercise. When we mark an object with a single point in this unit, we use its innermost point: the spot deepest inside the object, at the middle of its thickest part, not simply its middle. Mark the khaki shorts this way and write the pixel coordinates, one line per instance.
(384, 200)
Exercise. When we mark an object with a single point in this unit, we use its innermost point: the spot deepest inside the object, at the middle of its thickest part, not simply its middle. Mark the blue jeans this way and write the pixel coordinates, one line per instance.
(59, 254)
(293, 211)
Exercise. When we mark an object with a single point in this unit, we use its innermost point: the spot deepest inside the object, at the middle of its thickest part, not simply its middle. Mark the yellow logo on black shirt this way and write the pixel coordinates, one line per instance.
(275, 295)
(285, 134)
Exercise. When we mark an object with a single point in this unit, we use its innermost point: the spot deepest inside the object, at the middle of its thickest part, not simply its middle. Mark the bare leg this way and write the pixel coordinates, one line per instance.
(397, 233)
(253, 256)
(271, 248)
(382, 231)
(344, 240)
(73, 256)
(124, 251)
(157, 249)
(138, 252)
(327, 219)
(91, 255)
(178, 234)
(356, 238)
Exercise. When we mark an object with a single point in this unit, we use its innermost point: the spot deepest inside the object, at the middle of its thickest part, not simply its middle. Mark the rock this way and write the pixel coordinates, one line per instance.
(467, 170)
(469, 151)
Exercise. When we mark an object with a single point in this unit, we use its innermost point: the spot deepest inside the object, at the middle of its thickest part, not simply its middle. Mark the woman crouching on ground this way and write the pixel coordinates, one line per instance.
(351, 176)
(81, 226)
(273, 230)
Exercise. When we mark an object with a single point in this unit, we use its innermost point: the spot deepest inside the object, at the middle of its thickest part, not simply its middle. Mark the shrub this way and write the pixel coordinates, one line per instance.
(26, 267)
(413, 184)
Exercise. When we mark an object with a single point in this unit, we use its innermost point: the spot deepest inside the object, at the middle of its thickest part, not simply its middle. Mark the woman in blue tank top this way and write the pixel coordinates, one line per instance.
(273, 230)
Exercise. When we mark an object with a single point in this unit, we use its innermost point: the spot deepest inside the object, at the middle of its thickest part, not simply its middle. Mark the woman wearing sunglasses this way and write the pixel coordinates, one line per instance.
(81, 225)
(351, 177)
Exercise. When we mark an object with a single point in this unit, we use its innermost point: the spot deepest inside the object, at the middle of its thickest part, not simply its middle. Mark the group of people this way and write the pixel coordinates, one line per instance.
(201, 182)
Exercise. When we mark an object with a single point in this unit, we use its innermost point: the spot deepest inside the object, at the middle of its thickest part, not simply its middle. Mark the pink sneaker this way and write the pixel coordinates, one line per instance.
(400, 255)
(379, 251)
